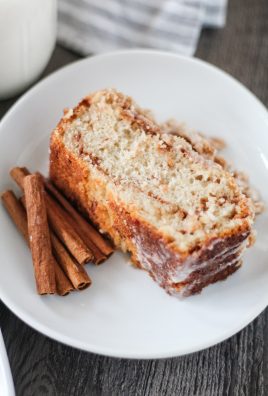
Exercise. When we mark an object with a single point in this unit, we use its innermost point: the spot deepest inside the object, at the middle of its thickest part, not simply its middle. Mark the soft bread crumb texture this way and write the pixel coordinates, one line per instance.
(174, 188)
(209, 147)
(180, 214)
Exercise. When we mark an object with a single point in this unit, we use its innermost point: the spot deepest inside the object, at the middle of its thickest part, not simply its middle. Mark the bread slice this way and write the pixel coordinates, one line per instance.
(181, 216)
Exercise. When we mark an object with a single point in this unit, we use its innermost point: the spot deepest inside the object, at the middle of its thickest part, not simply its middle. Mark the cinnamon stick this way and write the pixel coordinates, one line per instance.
(39, 235)
(66, 233)
(63, 284)
(18, 174)
(16, 212)
(87, 229)
(99, 257)
(56, 216)
(73, 270)
(19, 217)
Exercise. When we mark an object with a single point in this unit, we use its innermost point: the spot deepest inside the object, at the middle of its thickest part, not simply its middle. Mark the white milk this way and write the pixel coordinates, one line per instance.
(27, 39)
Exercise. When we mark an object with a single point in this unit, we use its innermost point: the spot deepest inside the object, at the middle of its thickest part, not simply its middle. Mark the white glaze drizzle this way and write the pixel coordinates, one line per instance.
(184, 270)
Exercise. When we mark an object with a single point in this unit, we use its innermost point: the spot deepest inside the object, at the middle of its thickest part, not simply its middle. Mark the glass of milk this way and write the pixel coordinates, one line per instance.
(27, 39)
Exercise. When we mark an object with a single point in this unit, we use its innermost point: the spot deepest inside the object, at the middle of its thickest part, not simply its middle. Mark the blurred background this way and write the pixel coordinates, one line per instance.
(30, 28)
(33, 33)
(233, 31)
(90, 26)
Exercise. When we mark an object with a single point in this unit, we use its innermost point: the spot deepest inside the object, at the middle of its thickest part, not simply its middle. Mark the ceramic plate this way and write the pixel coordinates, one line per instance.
(125, 313)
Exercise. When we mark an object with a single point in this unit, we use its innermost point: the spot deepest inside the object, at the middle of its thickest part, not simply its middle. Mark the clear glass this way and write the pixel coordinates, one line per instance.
(27, 39)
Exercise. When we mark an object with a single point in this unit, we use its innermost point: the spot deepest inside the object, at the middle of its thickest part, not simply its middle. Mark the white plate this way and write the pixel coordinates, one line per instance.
(125, 313)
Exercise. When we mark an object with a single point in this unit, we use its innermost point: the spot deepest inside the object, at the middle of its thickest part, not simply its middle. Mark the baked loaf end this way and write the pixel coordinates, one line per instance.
(181, 216)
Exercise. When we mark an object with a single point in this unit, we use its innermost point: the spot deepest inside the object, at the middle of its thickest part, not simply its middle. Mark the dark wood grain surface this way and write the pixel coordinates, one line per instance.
(238, 366)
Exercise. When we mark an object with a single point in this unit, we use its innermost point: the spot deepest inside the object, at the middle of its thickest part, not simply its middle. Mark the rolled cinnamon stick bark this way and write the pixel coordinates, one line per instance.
(16, 212)
(63, 284)
(18, 174)
(19, 217)
(74, 271)
(56, 216)
(66, 233)
(99, 257)
(39, 235)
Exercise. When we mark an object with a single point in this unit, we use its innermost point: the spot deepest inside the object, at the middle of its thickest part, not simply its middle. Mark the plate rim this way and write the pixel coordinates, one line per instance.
(112, 352)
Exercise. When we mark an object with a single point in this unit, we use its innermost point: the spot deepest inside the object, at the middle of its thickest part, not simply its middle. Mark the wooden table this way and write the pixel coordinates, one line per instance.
(238, 366)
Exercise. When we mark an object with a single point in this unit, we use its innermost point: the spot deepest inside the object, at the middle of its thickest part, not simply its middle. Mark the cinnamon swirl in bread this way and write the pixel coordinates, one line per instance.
(181, 216)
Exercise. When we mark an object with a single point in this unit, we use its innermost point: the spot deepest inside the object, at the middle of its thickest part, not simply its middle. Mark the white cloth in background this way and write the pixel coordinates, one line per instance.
(94, 26)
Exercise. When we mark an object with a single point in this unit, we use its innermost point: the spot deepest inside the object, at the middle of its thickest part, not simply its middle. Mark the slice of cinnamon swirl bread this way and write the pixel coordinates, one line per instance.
(181, 216)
